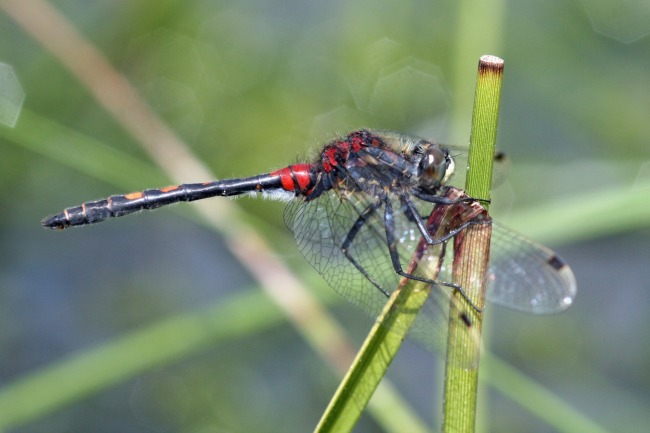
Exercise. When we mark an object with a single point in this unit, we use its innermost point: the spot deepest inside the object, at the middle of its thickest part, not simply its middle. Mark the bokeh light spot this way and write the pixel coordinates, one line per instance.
(11, 96)
(622, 20)
(409, 92)
(340, 120)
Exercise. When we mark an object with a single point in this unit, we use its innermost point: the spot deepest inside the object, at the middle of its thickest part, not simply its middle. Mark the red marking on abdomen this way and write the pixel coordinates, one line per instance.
(169, 188)
(285, 178)
(302, 174)
(295, 177)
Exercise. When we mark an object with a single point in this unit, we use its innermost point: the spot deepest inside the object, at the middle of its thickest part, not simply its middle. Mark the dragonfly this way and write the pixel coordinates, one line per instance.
(362, 210)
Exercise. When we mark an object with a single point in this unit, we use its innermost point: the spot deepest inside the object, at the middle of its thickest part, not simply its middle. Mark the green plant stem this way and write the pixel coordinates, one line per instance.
(373, 359)
(471, 261)
(386, 336)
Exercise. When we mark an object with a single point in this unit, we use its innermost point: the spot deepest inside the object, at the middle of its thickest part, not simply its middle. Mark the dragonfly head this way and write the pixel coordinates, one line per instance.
(435, 167)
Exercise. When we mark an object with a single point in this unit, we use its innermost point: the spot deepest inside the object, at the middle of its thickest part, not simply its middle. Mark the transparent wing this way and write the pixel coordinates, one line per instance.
(527, 276)
(500, 172)
(322, 226)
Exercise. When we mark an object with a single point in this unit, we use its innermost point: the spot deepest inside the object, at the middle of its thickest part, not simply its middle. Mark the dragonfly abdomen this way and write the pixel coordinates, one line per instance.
(119, 205)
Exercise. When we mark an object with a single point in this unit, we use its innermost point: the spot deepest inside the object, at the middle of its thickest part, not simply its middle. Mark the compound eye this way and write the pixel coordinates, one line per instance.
(436, 166)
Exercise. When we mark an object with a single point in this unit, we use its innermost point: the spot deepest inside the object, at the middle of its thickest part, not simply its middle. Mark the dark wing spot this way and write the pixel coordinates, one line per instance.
(555, 262)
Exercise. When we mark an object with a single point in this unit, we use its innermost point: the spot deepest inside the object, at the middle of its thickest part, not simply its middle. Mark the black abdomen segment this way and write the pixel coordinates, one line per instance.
(119, 205)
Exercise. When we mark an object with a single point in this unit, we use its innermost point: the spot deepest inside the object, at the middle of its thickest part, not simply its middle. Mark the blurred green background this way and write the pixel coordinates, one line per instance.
(252, 86)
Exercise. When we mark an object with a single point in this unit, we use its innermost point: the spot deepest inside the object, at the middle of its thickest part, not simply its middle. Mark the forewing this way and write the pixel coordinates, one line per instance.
(527, 276)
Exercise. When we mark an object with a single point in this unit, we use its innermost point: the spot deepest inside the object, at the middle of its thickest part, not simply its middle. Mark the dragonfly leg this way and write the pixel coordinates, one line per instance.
(462, 292)
(438, 199)
(354, 231)
(425, 232)
(394, 256)
(413, 214)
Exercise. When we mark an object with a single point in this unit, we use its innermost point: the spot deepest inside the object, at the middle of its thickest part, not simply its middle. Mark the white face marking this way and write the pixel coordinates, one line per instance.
(451, 167)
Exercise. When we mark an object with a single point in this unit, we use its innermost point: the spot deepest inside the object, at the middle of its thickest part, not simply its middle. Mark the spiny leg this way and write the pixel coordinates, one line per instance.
(439, 199)
(389, 222)
(413, 213)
